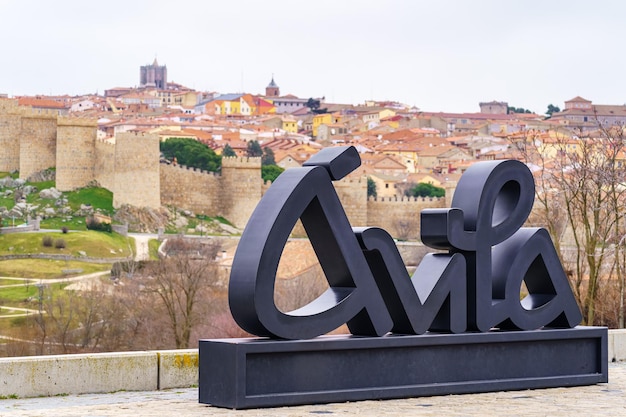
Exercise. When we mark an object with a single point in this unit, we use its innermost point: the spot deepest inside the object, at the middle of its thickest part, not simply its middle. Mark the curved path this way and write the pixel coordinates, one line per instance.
(22, 312)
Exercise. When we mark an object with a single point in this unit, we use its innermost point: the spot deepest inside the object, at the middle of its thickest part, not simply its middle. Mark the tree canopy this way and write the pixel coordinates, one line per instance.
(552, 109)
(191, 153)
(268, 157)
(314, 106)
(228, 151)
(270, 172)
(425, 190)
(371, 188)
(254, 149)
(512, 109)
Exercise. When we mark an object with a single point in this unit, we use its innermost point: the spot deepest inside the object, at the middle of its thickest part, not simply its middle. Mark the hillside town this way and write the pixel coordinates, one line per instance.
(115, 142)
(398, 144)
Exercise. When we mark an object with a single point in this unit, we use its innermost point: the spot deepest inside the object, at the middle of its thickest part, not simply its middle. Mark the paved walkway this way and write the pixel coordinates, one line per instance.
(599, 400)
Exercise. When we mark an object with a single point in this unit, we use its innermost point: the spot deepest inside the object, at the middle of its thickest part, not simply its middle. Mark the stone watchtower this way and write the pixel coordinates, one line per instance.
(38, 142)
(241, 188)
(494, 107)
(10, 130)
(75, 152)
(272, 90)
(137, 179)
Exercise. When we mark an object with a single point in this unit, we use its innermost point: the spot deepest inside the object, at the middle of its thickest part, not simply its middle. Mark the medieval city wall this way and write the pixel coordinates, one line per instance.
(137, 177)
(32, 140)
(76, 156)
(104, 169)
(10, 130)
(241, 188)
(400, 217)
(352, 193)
(190, 188)
(38, 142)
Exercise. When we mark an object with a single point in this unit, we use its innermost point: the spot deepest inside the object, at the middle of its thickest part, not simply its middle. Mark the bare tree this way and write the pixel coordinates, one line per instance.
(81, 320)
(405, 228)
(580, 184)
(179, 281)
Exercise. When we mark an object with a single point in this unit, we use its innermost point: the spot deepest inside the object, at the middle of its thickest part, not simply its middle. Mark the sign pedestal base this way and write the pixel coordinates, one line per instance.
(257, 372)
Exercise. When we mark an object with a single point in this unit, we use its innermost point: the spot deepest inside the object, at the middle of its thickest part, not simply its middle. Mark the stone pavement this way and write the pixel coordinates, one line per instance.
(599, 400)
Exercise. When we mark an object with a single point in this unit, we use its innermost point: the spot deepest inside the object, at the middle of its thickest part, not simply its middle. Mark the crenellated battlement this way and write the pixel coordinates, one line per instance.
(77, 121)
(420, 200)
(9, 105)
(104, 142)
(135, 135)
(348, 180)
(30, 112)
(193, 169)
(241, 162)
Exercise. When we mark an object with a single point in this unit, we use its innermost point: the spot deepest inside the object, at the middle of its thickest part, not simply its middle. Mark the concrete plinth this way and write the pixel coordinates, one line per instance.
(247, 373)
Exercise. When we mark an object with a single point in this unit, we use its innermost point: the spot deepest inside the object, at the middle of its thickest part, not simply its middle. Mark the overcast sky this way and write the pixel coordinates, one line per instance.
(435, 54)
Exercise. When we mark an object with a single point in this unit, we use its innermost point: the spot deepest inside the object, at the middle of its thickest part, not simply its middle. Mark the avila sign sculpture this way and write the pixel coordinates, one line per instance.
(457, 325)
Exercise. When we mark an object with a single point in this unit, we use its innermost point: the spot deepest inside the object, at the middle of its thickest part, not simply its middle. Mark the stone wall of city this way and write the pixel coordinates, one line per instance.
(38, 142)
(137, 177)
(31, 141)
(76, 152)
(10, 133)
(190, 188)
(241, 188)
(105, 164)
(353, 196)
(400, 216)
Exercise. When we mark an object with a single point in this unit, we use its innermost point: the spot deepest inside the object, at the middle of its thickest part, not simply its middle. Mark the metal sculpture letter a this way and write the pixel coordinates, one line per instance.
(306, 193)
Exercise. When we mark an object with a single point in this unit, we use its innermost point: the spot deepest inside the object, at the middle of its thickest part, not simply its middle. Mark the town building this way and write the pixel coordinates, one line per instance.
(582, 114)
(154, 75)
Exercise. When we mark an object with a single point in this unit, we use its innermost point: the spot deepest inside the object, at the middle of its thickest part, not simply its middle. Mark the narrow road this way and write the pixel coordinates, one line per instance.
(142, 250)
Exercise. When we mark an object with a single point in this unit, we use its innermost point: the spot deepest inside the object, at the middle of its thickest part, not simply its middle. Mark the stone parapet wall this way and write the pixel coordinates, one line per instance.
(353, 195)
(104, 169)
(98, 372)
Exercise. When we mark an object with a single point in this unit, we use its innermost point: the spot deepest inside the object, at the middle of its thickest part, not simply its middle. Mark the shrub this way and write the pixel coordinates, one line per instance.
(93, 224)
(64, 230)
(46, 241)
(59, 244)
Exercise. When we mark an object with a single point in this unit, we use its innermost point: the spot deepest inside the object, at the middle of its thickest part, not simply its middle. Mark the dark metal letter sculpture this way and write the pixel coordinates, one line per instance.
(475, 286)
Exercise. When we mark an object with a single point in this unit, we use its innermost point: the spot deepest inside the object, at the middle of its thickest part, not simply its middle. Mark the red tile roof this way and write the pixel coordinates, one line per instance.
(40, 103)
